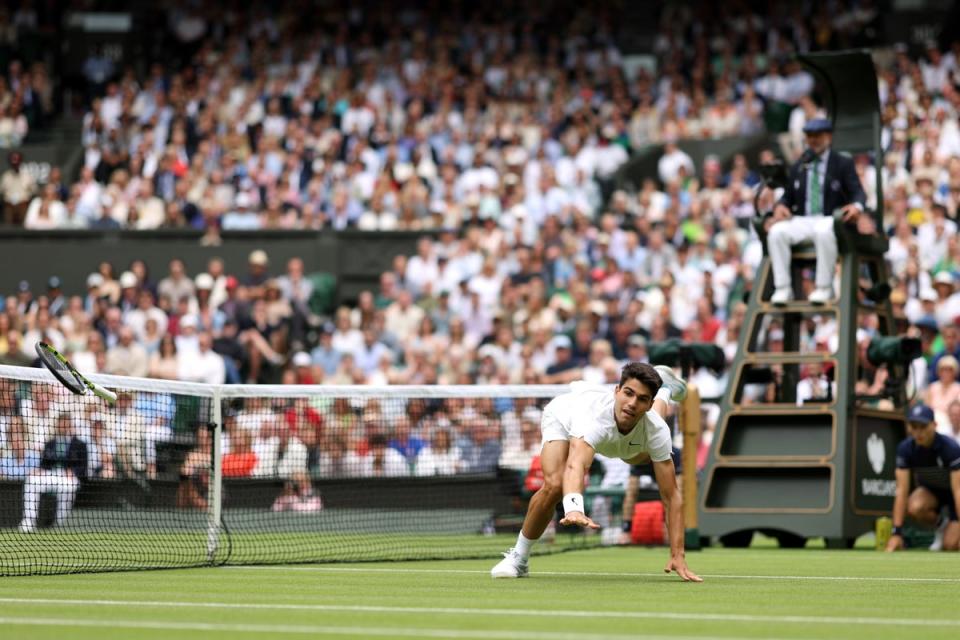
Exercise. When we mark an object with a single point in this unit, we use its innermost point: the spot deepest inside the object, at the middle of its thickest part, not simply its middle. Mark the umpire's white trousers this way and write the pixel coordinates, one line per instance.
(41, 481)
(796, 230)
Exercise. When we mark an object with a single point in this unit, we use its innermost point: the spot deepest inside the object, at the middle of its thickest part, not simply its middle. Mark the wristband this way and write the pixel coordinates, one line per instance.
(573, 502)
(897, 531)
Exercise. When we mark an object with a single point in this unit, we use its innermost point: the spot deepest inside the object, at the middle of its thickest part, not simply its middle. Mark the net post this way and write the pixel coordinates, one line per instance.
(216, 481)
(690, 427)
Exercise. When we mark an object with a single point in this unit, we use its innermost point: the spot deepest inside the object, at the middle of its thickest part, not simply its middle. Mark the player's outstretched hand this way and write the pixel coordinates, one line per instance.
(678, 564)
(895, 543)
(579, 518)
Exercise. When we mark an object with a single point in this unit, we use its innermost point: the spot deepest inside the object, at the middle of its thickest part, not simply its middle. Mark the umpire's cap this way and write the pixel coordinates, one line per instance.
(818, 125)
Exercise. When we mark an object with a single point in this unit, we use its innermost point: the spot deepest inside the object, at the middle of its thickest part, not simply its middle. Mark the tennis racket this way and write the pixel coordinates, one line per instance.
(68, 375)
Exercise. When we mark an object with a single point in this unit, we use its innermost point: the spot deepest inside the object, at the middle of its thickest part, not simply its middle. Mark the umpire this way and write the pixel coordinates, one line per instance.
(820, 183)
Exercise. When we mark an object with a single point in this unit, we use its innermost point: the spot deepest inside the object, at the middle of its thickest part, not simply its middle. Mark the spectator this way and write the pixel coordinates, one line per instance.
(127, 357)
(63, 465)
(164, 364)
(440, 457)
(176, 286)
(102, 449)
(45, 211)
(946, 390)
(519, 454)
(380, 461)
(195, 474)
(240, 461)
(951, 427)
(202, 364)
(18, 186)
(18, 458)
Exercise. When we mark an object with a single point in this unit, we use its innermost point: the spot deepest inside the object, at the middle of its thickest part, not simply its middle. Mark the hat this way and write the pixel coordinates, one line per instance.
(188, 321)
(204, 281)
(128, 280)
(301, 359)
(928, 295)
(636, 340)
(920, 413)
(231, 282)
(258, 257)
(23, 287)
(776, 334)
(328, 327)
(597, 307)
(53, 282)
(927, 322)
(944, 277)
(818, 125)
(94, 280)
(561, 341)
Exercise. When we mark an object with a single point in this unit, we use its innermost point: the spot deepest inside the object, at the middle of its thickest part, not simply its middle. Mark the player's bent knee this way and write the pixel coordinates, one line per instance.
(552, 489)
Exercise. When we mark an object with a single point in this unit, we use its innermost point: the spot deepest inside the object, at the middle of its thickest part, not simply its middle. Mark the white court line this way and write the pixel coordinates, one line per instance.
(646, 615)
(345, 631)
(590, 573)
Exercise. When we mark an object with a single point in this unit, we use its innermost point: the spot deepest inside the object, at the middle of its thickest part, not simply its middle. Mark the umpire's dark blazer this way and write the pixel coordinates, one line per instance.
(841, 186)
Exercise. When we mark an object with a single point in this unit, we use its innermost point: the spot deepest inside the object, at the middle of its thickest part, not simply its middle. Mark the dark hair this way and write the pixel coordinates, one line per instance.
(643, 373)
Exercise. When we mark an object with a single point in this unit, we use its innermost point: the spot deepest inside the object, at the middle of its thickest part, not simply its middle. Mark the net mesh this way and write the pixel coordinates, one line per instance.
(180, 475)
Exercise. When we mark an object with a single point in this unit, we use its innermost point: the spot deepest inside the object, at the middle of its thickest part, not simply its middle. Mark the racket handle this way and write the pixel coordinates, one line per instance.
(103, 392)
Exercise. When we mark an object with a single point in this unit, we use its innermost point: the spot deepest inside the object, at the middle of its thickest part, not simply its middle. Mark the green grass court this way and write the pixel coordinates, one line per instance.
(583, 595)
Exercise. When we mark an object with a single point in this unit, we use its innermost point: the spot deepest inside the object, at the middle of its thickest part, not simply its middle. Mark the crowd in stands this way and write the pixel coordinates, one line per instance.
(502, 141)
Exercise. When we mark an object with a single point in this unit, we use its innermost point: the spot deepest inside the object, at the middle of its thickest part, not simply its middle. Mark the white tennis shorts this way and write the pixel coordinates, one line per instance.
(551, 428)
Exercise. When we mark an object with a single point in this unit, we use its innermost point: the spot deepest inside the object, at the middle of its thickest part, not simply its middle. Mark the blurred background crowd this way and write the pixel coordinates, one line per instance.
(499, 135)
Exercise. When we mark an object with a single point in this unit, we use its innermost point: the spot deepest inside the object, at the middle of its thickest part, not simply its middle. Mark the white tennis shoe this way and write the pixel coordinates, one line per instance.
(937, 544)
(678, 388)
(513, 565)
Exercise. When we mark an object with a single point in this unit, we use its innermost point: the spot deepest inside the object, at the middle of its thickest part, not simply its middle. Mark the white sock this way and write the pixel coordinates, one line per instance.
(523, 546)
(664, 394)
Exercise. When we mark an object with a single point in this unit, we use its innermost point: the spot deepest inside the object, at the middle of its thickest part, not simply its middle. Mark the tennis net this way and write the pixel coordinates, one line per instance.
(180, 475)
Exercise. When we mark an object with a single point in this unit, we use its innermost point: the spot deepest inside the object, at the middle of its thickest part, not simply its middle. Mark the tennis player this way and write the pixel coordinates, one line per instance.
(627, 423)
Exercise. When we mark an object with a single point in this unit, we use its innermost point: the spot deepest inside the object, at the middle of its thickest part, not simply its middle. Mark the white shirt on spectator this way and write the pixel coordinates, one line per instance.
(136, 319)
(439, 463)
(402, 322)
(934, 244)
(201, 366)
(56, 213)
(271, 463)
(421, 271)
(392, 465)
(669, 165)
(948, 310)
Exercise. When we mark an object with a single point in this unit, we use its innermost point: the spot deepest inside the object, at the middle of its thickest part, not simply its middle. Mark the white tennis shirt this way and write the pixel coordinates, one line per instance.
(586, 411)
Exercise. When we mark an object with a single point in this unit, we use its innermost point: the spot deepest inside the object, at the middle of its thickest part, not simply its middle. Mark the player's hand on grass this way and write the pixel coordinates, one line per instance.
(678, 564)
(579, 518)
(895, 543)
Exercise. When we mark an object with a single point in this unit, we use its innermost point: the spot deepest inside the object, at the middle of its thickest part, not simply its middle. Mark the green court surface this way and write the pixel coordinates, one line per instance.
(583, 595)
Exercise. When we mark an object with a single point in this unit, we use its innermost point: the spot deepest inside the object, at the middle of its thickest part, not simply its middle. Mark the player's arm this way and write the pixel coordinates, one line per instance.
(673, 498)
(899, 509)
(579, 459)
